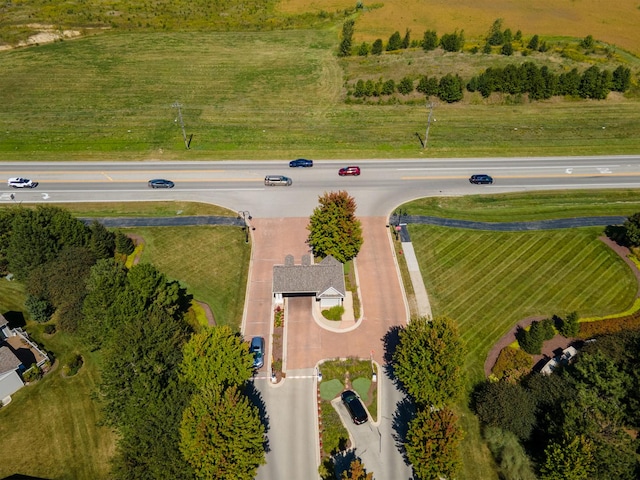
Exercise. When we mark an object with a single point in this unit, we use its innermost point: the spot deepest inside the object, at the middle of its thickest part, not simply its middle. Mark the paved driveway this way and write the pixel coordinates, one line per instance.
(382, 307)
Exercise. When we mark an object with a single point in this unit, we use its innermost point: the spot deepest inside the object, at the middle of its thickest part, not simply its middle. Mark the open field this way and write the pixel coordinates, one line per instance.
(263, 95)
(522, 207)
(615, 22)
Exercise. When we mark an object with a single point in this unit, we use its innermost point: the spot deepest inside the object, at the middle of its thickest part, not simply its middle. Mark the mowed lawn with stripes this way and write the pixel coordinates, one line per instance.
(488, 281)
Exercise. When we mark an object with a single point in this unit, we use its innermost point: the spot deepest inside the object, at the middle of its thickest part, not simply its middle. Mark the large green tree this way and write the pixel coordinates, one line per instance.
(568, 460)
(428, 361)
(433, 443)
(221, 435)
(105, 285)
(334, 229)
(216, 357)
(142, 396)
(507, 406)
(38, 235)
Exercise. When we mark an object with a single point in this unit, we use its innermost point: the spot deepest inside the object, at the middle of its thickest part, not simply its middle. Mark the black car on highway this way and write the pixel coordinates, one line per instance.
(355, 407)
(481, 178)
(301, 162)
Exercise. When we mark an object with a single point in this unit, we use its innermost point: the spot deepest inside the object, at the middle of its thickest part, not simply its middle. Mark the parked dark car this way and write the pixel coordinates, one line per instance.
(355, 407)
(301, 162)
(482, 178)
(353, 170)
(257, 348)
(160, 183)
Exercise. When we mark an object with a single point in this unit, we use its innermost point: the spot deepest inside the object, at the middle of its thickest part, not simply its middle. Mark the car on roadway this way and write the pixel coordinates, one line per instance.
(481, 178)
(19, 182)
(160, 183)
(352, 170)
(301, 162)
(257, 349)
(354, 407)
(273, 180)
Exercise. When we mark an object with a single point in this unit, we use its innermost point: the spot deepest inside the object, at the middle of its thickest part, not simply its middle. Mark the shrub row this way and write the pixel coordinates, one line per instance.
(609, 325)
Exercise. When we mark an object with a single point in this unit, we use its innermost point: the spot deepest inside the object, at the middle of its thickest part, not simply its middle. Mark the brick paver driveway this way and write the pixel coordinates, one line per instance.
(381, 295)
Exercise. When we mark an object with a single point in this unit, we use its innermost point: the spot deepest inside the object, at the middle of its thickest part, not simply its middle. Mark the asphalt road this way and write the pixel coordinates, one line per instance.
(383, 185)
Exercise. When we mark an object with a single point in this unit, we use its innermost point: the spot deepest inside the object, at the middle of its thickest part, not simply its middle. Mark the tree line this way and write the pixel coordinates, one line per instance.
(178, 399)
(539, 83)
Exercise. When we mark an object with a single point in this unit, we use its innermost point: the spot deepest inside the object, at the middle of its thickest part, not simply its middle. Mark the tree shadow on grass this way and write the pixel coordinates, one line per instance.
(255, 397)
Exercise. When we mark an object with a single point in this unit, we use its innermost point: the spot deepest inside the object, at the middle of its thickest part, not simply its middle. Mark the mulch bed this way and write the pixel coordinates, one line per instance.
(551, 347)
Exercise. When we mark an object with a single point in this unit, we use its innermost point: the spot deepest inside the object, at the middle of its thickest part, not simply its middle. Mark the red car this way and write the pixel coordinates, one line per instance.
(349, 171)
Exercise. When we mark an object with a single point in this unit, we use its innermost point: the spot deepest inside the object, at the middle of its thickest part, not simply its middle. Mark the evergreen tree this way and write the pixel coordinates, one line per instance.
(347, 38)
(621, 79)
(507, 49)
(430, 40)
(395, 42)
(405, 87)
(495, 36)
(406, 41)
(376, 48)
(450, 88)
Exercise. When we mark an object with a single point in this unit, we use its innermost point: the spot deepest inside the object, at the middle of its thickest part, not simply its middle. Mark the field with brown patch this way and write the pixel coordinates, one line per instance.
(615, 23)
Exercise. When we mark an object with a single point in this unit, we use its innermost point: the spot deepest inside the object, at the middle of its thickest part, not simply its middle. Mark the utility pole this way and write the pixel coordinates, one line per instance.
(430, 106)
(184, 134)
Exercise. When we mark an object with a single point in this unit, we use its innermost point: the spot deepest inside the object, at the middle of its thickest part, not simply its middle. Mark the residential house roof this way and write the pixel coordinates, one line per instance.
(8, 360)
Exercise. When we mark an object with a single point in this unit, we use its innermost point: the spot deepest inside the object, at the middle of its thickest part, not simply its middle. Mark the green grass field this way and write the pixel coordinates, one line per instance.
(266, 95)
(519, 207)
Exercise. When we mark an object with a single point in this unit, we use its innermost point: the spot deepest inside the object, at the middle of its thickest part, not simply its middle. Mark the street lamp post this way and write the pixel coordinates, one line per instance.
(245, 216)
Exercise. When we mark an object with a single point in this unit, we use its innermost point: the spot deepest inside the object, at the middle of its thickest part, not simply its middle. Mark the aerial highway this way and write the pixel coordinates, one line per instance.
(382, 185)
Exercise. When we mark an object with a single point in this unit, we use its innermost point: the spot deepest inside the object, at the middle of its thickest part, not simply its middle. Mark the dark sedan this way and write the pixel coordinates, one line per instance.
(160, 183)
(355, 407)
(301, 162)
(481, 179)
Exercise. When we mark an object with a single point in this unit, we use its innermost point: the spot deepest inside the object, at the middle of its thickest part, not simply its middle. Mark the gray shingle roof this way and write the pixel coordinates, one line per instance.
(326, 278)
(8, 360)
